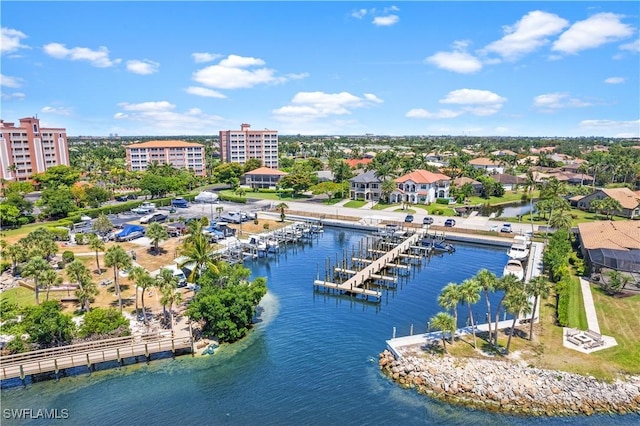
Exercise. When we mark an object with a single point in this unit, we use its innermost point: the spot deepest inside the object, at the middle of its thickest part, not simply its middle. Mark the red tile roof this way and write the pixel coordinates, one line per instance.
(164, 144)
(422, 176)
(266, 171)
(483, 161)
(355, 162)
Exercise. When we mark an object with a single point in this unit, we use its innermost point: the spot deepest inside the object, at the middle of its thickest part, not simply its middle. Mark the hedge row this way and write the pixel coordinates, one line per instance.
(563, 296)
(232, 198)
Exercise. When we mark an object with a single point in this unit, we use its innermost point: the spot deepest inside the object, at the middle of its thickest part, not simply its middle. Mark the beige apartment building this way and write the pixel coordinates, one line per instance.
(237, 146)
(28, 149)
(180, 154)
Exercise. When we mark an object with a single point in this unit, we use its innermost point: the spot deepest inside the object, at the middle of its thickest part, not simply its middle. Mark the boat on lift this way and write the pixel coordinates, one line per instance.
(514, 267)
(518, 251)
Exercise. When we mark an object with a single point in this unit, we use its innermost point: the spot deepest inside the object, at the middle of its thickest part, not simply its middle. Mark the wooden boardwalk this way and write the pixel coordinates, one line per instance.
(356, 284)
(88, 354)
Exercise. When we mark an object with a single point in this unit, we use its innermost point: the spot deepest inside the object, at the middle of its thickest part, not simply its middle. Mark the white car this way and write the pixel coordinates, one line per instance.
(153, 217)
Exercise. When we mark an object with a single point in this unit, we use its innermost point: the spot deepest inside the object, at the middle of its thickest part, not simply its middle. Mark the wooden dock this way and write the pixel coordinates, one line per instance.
(55, 360)
(356, 283)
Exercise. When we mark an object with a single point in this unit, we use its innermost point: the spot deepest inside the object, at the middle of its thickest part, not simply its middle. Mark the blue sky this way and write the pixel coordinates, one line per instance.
(337, 68)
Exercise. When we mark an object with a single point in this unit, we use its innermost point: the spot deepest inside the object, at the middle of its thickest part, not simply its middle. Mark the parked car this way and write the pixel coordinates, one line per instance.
(408, 218)
(506, 227)
(126, 197)
(450, 223)
(153, 217)
(176, 229)
(428, 220)
(179, 202)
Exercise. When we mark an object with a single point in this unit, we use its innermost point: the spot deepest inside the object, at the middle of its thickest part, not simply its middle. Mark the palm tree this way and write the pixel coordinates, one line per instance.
(167, 282)
(561, 219)
(282, 207)
(156, 233)
(516, 302)
(596, 206)
(444, 322)
(135, 274)
(34, 269)
(86, 291)
(97, 245)
(470, 294)
(449, 298)
(537, 287)
(505, 283)
(17, 253)
(169, 297)
(610, 206)
(387, 187)
(487, 281)
(48, 279)
(118, 259)
(198, 252)
(79, 273)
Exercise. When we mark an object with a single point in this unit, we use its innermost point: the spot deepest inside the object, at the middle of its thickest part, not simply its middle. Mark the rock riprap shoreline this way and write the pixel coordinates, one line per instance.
(511, 387)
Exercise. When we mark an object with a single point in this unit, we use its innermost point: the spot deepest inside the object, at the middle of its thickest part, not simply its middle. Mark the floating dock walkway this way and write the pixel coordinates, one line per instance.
(357, 283)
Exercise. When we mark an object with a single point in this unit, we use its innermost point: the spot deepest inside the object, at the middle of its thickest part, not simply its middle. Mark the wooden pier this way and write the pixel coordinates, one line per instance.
(56, 360)
(388, 259)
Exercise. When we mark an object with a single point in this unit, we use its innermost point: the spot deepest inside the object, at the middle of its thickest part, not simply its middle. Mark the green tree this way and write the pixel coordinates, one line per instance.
(615, 281)
(449, 298)
(102, 225)
(170, 296)
(57, 202)
(470, 295)
(97, 245)
(228, 173)
(538, 287)
(167, 283)
(341, 171)
(117, 258)
(252, 164)
(156, 234)
(298, 181)
(329, 188)
(197, 254)
(49, 278)
(445, 323)
(143, 281)
(47, 325)
(86, 292)
(17, 253)
(488, 282)
(101, 322)
(9, 215)
(281, 208)
(96, 195)
(516, 302)
(505, 283)
(34, 269)
(57, 176)
(611, 206)
(386, 188)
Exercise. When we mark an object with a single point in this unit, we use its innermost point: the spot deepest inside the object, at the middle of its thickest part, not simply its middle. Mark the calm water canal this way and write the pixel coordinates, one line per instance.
(312, 360)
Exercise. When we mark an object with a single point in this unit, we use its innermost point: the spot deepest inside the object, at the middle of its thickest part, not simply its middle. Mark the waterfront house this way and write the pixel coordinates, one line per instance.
(463, 180)
(490, 166)
(365, 186)
(509, 182)
(263, 177)
(628, 199)
(611, 244)
(421, 187)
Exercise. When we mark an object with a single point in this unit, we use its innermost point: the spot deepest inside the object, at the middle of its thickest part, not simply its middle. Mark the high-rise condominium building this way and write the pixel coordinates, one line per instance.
(29, 149)
(180, 154)
(237, 146)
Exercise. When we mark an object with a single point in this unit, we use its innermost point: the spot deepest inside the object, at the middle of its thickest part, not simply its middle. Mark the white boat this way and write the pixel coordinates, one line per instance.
(518, 251)
(522, 239)
(514, 267)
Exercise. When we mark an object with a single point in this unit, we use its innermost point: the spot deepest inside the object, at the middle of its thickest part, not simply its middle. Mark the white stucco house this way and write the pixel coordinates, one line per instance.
(421, 187)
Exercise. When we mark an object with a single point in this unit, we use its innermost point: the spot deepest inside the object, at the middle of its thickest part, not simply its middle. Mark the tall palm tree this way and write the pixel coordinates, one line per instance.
(505, 283)
(281, 208)
(516, 302)
(444, 322)
(117, 258)
(97, 245)
(17, 253)
(561, 219)
(610, 206)
(487, 281)
(78, 272)
(449, 298)
(170, 297)
(197, 254)
(86, 291)
(48, 279)
(167, 283)
(470, 294)
(538, 287)
(156, 233)
(34, 269)
(136, 274)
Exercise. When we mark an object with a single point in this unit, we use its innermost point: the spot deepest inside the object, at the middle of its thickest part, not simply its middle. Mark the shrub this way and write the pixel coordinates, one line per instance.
(67, 256)
(233, 198)
(562, 295)
(255, 221)
(438, 212)
(265, 226)
(442, 201)
(80, 239)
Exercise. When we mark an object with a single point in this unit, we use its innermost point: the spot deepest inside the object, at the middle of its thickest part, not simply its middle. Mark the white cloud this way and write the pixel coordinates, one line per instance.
(200, 57)
(527, 35)
(54, 110)
(98, 58)
(423, 113)
(457, 61)
(298, 76)
(612, 125)
(203, 91)
(239, 72)
(472, 97)
(160, 118)
(359, 14)
(320, 104)
(593, 32)
(554, 101)
(143, 67)
(10, 96)
(633, 46)
(12, 82)
(385, 21)
(614, 80)
(10, 40)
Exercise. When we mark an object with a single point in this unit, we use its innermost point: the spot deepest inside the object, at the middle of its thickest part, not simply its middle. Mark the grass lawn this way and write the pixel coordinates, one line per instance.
(577, 314)
(508, 197)
(436, 208)
(20, 296)
(356, 204)
(383, 206)
(332, 201)
(407, 211)
(268, 195)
